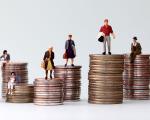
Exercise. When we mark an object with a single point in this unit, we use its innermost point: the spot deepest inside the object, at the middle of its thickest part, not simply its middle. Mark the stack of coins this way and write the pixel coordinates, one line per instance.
(21, 74)
(21, 94)
(105, 79)
(72, 83)
(48, 92)
(136, 77)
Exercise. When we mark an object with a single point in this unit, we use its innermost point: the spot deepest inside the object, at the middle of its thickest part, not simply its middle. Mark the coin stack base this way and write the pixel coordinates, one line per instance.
(105, 79)
(21, 73)
(21, 94)
(136, 78)
(72, 83)
(48, 92)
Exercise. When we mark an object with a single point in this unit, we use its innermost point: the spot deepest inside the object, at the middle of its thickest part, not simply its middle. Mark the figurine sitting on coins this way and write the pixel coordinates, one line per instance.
(11, 83)
(49, 62)
(5, 58)
(70, 51)
(135, 49)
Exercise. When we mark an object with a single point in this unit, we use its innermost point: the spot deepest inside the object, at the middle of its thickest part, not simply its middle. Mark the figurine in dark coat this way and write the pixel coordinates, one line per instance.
(49, 62)
(136, 49)
(5, 57)
(70, 50)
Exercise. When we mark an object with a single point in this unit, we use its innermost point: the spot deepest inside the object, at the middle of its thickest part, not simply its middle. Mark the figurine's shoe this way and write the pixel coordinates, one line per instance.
(104, 53)
(72, 65)
(65, 65)
(109, 53)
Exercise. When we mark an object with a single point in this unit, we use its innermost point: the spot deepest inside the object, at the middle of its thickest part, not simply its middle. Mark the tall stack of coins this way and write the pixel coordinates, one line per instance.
(21, 74)
(136, 77)
(105, 79)
(48, 92)
(21, 94)
(72, 83)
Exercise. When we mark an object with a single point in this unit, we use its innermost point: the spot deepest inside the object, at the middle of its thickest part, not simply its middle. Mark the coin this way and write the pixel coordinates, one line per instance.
(21, 71)
(136, 77)
(48, 92)
(72, 83)
(105, 79)
(21, 94)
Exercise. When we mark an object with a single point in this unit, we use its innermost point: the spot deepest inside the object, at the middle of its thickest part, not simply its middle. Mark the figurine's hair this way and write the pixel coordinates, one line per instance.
(134, 38)
(106, 20)
(70, 35)
(13, 73)
(5, 51)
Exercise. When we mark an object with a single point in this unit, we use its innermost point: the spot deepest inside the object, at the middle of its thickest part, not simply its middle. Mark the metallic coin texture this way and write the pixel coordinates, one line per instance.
(105, 79)
(72, 81)
(136, 77)
(21, 94)
(48, 92)
(21, 74)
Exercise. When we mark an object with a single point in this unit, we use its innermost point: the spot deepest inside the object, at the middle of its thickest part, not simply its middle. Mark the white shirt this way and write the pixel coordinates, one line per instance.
(134, 43)
(12, 79)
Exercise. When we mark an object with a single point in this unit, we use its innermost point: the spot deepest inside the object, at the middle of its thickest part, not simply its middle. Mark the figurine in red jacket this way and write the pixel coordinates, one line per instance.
(106, 30)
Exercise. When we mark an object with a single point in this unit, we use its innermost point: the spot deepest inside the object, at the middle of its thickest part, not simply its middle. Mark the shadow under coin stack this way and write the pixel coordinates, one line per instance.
(21, 74)
(136, 77)
(105, 79)
(72, 81)
(21, 94)
(48, 92)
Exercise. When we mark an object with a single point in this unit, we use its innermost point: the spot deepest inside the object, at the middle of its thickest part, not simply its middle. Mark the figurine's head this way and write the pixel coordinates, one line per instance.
(50, 49)
(5, 52)
(106, 22)
(70, 37)
(135, 39)
(13, 73)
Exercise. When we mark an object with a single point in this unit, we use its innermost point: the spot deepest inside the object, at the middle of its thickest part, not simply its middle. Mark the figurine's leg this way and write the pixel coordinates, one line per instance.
(132, 57)
(72, 61)
(109, 44)
(51, 74)
(46, 74)
(66, 62)
(104, 46)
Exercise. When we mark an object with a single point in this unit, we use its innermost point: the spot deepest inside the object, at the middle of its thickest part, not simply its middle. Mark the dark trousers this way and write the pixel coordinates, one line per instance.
(133, 56)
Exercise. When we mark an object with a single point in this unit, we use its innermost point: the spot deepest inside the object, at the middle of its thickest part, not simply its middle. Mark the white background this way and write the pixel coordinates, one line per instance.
(29, 27)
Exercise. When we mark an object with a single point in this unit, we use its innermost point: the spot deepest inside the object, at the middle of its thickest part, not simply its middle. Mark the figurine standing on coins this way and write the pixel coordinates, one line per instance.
(105, 31)
(49, 62)
(70, 51)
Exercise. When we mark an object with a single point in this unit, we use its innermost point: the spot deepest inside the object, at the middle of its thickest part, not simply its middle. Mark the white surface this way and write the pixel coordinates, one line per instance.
(130, 110)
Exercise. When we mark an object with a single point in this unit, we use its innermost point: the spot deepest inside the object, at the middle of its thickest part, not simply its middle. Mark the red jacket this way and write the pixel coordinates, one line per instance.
(107, 30)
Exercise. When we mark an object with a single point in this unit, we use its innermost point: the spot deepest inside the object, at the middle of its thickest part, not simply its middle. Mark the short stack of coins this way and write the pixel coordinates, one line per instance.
(20, 70)
(105, 79)
(72, 81)
(137, 77)
(21, 94)
(48, 92)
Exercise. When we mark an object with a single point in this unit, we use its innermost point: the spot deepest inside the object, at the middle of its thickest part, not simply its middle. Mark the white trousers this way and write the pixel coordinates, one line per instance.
(10, 85)
(107, 40)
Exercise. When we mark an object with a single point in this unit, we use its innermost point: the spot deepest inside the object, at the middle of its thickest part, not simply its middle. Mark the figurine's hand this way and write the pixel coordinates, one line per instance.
(103, 34)
(113, 35)
(100, 34)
